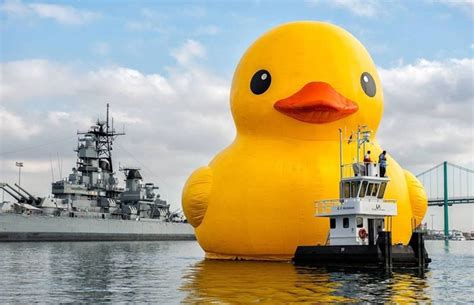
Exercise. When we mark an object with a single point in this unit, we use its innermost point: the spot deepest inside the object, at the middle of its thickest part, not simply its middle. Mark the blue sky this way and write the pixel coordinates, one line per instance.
(166, 68)
(142, 34)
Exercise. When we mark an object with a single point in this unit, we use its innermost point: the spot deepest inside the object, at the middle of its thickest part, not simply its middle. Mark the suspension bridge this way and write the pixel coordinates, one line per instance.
(448, 184)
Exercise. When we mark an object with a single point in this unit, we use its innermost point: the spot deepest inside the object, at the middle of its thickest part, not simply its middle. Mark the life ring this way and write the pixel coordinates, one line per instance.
(363, 233)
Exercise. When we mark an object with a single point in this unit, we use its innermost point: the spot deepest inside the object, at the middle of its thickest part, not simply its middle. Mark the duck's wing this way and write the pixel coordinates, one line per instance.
(418, 198)
(195, 197)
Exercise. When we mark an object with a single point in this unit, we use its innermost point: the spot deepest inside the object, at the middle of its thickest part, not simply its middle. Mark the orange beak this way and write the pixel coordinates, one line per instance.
(317, 103)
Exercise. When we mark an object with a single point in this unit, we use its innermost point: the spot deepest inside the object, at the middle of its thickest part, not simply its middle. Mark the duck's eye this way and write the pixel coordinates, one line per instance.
(368, 84)
(260, 82)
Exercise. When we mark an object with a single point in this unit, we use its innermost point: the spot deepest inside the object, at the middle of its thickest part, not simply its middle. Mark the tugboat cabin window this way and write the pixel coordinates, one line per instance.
(376, 188)
(363, 189)
(370, 188)
(382, 190)
(355, 188)
(360, 222)
(332, 223)
(345, 222)
(347, 189)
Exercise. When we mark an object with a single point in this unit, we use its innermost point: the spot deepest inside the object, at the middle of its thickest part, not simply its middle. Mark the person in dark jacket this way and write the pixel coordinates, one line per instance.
(383, 163)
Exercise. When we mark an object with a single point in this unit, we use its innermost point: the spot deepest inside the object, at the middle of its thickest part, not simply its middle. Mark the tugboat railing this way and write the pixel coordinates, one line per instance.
(358, 169)
(325, 206)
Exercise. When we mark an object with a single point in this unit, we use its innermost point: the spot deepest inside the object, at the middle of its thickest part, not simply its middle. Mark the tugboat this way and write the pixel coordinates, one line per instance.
(360, 223)
(89, 204)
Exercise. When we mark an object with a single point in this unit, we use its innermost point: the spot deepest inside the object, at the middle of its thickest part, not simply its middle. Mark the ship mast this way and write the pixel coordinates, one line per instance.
(109, 144)
(105, 135)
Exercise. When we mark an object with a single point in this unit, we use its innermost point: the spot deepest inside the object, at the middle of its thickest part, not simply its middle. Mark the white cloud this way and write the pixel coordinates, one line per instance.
(367, 8)
(36, 78)
(60, 13)
(189, 51)
(429, 112)
(15, 125)
(15, 8)
(467, 6)
(63, 14)
(174, 122)
(58, 117)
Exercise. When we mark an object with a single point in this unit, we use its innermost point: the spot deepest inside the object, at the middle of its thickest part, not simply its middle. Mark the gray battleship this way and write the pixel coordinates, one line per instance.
(90, 204)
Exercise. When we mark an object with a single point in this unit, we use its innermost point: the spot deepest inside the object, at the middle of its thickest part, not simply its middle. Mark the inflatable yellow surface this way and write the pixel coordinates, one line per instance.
(292, 90)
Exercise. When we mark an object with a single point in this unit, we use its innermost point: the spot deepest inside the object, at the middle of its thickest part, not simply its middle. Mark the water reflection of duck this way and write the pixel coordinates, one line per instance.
(409, 288)
(216, 281)
(250, 282)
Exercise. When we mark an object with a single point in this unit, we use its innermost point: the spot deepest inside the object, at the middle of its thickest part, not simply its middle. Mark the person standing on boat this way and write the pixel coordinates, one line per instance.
(383, 163)
(367, 162)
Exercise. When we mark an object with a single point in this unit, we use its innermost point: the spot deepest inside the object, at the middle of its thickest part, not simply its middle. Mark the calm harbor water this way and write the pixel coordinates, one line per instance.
(174, 272)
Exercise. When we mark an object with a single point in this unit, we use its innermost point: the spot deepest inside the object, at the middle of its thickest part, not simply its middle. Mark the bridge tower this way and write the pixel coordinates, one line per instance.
(461, 191)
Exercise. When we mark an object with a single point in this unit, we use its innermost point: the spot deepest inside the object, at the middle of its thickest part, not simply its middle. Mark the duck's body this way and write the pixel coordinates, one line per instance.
(255, 200)
(267, 207)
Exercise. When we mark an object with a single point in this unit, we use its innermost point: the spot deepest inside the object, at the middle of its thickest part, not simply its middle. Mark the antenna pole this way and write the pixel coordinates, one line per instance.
(340, 153)
(341, 165)
(358, 144)
(59, 167)
(52, 171)
(107, 120)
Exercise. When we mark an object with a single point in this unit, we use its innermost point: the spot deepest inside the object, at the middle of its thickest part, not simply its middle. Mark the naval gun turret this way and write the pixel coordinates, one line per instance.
(26, 203)
(21, 195)
(12, 192)
(31, 199)
(140, 198)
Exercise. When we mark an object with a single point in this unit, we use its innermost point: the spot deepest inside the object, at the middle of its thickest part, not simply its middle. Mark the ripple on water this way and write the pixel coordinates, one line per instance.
(173, 272)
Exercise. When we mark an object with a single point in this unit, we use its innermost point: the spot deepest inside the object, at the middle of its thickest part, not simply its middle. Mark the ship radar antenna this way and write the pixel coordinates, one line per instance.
(103, 136)
(107, 119)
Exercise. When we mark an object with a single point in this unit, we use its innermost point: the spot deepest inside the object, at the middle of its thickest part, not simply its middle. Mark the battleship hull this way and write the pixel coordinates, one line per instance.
(17, 227)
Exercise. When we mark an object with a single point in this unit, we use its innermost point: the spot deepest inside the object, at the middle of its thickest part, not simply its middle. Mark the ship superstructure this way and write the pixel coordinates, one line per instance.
(92, 191)
(92, 185)
(141, 199)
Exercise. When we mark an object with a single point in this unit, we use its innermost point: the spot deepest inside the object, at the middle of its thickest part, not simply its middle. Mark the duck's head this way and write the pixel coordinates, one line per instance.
(306, 80)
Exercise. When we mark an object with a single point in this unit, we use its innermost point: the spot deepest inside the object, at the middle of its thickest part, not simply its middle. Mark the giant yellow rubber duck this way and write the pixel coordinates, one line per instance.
(291, 92)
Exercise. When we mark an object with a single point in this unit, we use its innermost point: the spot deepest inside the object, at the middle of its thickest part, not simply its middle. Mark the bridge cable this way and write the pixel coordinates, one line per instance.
(429, 170)
(460, 183)
(431, 189)
(462, 168)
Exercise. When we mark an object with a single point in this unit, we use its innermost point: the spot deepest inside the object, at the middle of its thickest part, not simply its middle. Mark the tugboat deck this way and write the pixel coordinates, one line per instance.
(413, 256)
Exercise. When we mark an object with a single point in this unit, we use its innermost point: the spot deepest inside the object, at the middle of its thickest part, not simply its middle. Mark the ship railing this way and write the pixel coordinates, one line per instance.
(370, 199)
(325, 206)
